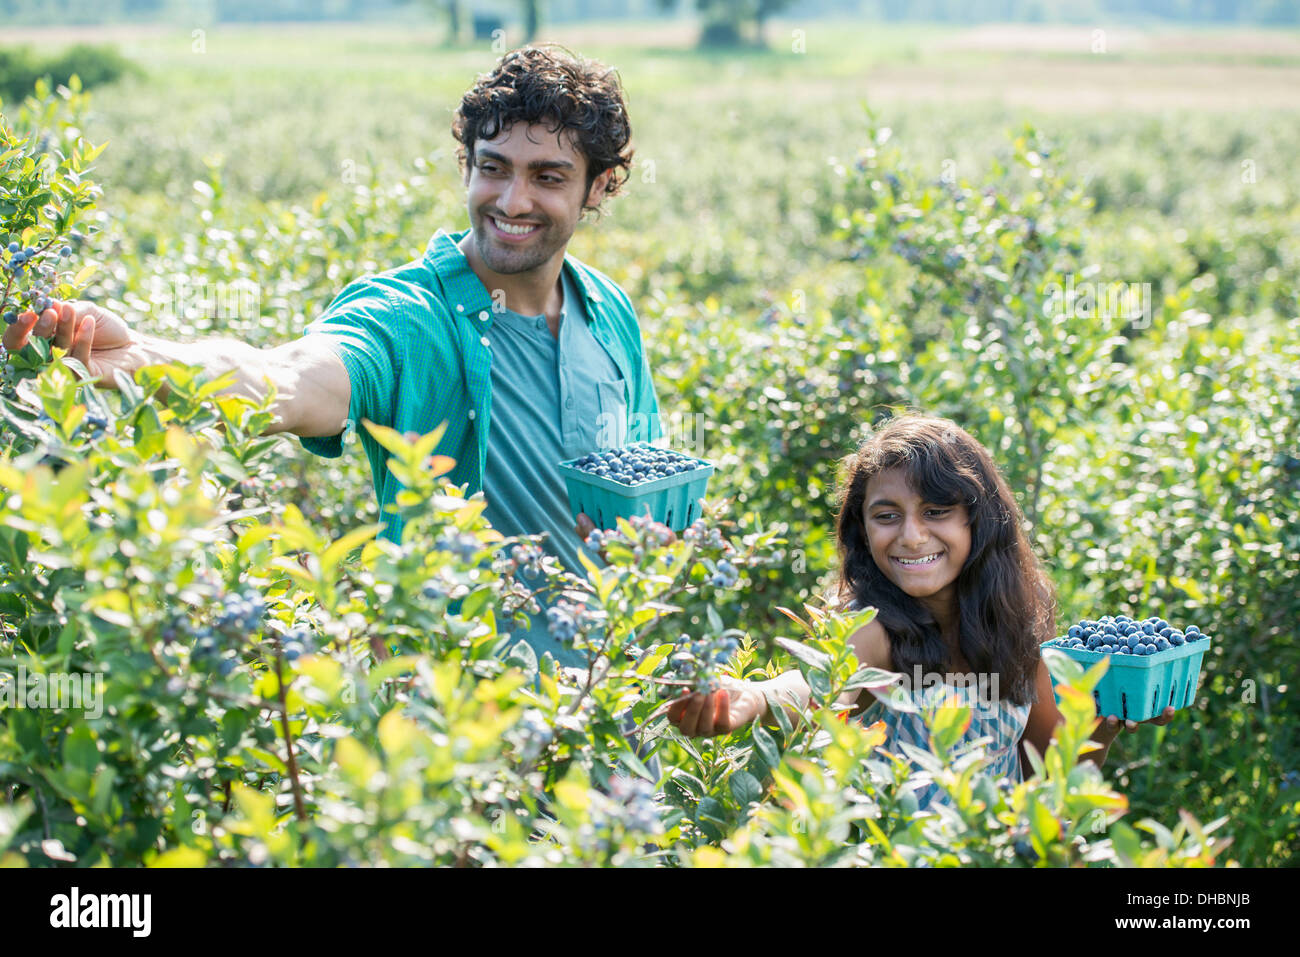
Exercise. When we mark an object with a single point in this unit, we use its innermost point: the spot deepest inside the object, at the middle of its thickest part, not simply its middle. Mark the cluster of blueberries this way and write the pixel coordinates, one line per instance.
(633, 800)
(725, 576)
(649, 531)
(563, 619)
(533, 733)
(297, 642)
(1123, 635)
(528, 559)
(463, 545)
(240, 614)
(636, 464)
(19, 259)
(94, 423)
(696, 658)
(697, 533)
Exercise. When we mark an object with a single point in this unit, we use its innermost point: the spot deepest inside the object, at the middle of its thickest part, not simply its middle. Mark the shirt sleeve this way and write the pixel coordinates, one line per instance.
(362, 326)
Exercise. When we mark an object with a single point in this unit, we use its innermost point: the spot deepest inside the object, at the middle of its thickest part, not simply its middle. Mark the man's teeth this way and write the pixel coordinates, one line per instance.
(920, 561)
(513, 230)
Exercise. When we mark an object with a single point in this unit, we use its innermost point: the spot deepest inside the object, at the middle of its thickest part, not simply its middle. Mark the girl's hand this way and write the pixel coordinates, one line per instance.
(1110, 727)
(734, 705)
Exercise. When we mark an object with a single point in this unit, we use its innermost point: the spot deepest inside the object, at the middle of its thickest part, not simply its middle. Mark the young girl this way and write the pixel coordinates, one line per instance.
(930, 535)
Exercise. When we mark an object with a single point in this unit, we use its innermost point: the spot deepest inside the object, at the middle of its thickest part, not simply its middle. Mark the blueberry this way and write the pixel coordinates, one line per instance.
(14, 247)
(1132, 641)
(65, 252)
(10, 318)
(1075, 631)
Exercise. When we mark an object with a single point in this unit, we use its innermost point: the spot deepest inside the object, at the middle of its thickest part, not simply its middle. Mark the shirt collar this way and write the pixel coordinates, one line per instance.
(466, 293)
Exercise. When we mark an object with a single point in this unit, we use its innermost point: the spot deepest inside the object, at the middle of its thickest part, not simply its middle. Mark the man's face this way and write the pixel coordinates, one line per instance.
(534, 181)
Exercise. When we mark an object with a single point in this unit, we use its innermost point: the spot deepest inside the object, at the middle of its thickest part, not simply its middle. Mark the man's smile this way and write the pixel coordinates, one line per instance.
(511, 230)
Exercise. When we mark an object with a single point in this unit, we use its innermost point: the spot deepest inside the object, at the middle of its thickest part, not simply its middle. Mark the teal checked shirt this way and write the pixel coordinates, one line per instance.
(417, 345)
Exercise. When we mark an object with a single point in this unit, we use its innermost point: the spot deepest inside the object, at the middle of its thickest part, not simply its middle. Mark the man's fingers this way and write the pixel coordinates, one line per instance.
(691, 717)
(46, 324)
(722, 717)
(65, 325)
(676, 709)
(83, 340)
(16, 336)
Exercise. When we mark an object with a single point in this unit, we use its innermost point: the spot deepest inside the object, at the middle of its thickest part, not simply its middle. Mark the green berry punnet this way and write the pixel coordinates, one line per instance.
(637, 480)
(1152, 664)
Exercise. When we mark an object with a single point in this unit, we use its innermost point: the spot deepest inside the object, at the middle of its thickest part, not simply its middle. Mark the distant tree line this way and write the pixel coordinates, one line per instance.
(738, 19)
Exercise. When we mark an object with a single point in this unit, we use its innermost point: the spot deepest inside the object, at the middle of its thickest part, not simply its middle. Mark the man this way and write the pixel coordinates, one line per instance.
(530, 356)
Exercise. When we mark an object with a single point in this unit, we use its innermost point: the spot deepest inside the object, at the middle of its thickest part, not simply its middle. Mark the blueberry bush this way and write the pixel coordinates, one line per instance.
(282, 687)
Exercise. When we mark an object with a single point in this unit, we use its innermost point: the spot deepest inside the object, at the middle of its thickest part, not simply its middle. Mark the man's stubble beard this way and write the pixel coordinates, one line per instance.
(507, 262)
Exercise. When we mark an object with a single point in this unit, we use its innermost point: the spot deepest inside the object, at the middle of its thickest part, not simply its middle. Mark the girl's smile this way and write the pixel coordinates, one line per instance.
(920, 546)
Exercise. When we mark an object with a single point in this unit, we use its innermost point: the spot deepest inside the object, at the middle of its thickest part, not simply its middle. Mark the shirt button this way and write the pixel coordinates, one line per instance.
(471, 414)
(541, 323)
(460, 307)
(568, 403)
(485, 341)
(483, 315)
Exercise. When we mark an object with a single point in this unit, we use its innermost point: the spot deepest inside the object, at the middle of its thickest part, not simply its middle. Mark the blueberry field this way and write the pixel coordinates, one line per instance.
(1088, 258)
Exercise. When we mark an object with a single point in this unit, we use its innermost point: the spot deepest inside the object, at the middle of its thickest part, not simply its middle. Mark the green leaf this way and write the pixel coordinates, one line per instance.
(634, 764)
(807, 654)
(475, 602)
(79, 750)
(745, 788)
(688, 782)
(766, 747)
(778, 713)
(523, 657)
(711, 817)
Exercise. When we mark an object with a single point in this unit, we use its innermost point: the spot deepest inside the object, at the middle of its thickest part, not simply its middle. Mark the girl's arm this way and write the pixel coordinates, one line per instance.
(1044, 717)
(738, 703)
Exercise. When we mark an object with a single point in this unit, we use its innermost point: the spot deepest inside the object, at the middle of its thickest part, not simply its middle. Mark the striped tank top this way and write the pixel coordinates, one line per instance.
(997, 725)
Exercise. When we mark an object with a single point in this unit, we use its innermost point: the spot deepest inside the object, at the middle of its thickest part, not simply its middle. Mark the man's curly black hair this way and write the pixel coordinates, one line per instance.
(548, 84)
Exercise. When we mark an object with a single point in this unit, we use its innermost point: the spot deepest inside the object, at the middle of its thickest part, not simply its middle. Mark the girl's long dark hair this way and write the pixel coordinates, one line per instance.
(1006, 603)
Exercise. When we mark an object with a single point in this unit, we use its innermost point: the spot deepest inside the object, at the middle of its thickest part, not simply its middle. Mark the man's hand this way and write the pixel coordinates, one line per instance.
(99, 339)
(734, 705)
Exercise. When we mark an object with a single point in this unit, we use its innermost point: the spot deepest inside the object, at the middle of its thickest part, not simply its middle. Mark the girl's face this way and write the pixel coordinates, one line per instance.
(920, 546)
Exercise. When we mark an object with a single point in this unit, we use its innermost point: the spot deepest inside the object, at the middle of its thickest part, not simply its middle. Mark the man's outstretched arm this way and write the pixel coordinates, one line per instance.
(312, 386)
